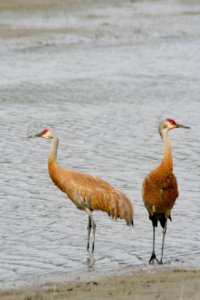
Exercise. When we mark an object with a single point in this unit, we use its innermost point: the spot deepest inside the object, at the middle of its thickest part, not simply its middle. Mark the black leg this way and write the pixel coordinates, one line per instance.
(91, 225)
(163, 242)
(93, 231)
(89, 230)
(153, 255)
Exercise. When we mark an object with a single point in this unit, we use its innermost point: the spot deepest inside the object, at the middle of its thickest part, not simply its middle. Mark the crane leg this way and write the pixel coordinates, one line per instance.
(94, 231)
(153, 255)
(89, 231)
(163, 242)
(91, 225)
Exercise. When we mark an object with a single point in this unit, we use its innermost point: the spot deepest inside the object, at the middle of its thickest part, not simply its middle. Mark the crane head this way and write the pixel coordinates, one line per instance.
(168, 124)
(45, 134)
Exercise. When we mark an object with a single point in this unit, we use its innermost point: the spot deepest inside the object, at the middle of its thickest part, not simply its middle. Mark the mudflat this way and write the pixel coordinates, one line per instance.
(158, 283)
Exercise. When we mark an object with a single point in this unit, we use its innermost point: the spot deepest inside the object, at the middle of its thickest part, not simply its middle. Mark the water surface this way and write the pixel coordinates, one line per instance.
(103, 76)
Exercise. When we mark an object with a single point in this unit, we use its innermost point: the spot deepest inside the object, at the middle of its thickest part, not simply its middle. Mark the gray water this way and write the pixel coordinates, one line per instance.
(103, 75)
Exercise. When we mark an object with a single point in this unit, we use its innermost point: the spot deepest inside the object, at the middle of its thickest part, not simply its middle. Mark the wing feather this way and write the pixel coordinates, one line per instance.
(87, 191)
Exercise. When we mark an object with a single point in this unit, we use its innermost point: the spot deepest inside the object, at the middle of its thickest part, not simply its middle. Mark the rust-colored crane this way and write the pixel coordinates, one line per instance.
(87, 192)
(160, 188)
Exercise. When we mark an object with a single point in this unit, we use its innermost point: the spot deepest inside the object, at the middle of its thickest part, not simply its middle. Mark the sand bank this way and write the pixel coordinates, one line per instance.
(159, 283)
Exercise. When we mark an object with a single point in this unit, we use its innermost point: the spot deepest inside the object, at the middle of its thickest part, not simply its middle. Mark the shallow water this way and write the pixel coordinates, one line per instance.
(103, 76)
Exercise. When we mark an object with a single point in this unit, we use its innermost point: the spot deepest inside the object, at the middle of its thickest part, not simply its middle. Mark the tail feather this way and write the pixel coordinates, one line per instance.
(122, 209)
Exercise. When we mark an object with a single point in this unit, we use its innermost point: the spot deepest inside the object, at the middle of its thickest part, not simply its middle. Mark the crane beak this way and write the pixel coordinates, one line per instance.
(34, 135)
(182, 126)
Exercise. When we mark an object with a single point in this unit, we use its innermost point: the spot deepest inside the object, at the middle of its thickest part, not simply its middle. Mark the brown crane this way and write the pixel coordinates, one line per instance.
(160, 188)
(87, 192)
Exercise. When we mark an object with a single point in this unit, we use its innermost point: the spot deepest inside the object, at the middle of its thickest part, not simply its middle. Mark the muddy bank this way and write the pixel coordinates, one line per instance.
(141, 285)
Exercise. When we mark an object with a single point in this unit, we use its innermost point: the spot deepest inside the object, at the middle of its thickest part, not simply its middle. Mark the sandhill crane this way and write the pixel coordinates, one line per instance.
(160, 188)
(87, 192)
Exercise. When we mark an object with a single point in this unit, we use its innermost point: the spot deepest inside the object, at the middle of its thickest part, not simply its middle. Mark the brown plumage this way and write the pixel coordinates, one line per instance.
(87, 192)
(160, 189)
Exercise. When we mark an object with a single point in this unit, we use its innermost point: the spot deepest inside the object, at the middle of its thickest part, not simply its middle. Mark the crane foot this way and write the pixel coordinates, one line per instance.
(153, 258)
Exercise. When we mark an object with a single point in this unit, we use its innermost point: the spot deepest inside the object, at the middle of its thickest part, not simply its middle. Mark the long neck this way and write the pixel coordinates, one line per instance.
(167, 157)
(53, 150)
(55, 171)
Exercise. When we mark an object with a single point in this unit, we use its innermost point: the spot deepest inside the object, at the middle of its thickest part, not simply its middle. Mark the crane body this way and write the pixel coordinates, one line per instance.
(87, 192)
(160, 188)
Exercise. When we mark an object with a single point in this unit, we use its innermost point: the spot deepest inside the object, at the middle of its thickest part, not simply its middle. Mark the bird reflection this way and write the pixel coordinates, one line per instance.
(90, 262)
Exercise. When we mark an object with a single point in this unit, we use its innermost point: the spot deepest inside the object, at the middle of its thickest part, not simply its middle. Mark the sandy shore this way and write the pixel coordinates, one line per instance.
(22, 8)
(160, 283)
(45, 4)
